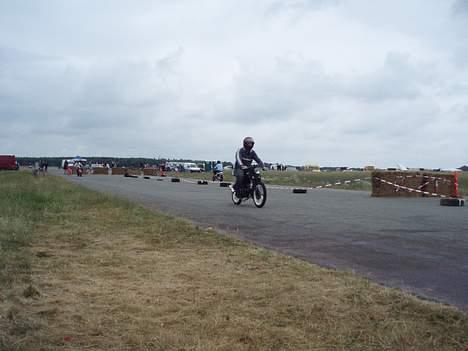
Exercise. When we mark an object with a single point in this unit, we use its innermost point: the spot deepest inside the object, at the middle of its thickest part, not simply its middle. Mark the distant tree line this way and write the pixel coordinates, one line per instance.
(117, 161)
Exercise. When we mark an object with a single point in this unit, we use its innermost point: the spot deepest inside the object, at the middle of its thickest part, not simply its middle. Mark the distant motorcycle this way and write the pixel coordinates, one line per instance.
(253, 187)
(218, 176)
(79, 172)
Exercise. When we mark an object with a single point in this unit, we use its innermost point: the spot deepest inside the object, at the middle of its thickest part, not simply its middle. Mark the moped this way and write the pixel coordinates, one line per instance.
(253, 188)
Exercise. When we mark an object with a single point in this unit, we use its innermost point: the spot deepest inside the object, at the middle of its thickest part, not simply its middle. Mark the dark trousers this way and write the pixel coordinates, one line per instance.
(240, 179)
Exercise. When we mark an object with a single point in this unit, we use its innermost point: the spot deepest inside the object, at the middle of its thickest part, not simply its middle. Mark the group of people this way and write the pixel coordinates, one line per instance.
(77, 166)
(243, 160)
(40, 168)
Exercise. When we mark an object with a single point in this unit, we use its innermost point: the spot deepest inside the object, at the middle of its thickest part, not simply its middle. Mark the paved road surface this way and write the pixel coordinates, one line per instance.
(414, 244)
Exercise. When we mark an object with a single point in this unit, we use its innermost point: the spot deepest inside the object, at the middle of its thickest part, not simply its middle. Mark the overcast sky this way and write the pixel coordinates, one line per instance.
(328, 82)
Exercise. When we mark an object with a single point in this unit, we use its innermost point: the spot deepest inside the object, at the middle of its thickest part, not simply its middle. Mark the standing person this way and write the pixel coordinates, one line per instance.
(65, 167)
(79, 169)
(162, 169)
(36, 168)
(43, 167)
(244, 157)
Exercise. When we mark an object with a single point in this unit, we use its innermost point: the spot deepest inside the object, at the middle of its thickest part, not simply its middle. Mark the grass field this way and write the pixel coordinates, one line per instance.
(313, 179)
(305, 179)
(81, 270)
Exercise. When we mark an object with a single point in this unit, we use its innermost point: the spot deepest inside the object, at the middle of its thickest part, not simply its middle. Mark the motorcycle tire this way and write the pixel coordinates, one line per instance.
(259, 195)
(236, 200)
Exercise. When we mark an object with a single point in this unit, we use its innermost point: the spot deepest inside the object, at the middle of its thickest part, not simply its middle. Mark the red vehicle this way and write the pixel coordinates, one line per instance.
(8, 162)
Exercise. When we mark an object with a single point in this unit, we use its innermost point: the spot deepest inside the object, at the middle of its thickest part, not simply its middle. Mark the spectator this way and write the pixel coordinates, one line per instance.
(65, 167)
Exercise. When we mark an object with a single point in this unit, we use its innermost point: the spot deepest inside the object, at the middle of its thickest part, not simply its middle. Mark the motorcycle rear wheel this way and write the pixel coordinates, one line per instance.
(235, 199)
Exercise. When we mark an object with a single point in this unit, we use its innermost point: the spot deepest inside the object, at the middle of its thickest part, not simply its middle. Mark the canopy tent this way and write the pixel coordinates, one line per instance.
(78, 159)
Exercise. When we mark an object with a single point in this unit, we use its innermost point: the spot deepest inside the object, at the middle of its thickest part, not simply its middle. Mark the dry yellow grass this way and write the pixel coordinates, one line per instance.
(109, 275)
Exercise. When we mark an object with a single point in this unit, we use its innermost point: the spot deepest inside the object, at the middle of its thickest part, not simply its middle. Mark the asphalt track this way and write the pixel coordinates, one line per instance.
(409, 243)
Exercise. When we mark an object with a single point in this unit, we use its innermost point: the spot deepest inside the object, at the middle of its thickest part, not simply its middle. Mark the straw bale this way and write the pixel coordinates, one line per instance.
(150, 171)
(100, 171)
(438, 183)
(118, 171)
(134, 171)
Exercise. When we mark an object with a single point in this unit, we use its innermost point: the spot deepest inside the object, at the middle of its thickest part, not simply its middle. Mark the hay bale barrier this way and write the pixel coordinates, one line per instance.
(118, 171)
(150, 171)
(134, 171)
(412, 184)
(101, 171)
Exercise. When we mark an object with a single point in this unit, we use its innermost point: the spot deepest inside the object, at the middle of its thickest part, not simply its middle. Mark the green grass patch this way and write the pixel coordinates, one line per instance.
(300, 179)
(314, 179)
(86, 271)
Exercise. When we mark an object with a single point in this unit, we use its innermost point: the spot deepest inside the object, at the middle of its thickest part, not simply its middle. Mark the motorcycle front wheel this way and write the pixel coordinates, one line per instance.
(259, 195)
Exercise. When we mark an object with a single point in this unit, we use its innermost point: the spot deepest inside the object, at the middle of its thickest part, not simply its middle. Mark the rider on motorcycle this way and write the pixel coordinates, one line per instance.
(218, 168)
(218, 171)
(244, 157)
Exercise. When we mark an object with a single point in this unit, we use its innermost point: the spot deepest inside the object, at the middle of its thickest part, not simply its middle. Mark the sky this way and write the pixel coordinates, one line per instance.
(322, 82)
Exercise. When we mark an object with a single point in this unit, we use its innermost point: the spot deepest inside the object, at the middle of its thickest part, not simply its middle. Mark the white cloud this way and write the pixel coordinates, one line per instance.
(332, 82)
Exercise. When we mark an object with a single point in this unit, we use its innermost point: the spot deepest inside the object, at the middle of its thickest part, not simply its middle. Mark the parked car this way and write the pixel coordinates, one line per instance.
(8, 162)
(191, 167)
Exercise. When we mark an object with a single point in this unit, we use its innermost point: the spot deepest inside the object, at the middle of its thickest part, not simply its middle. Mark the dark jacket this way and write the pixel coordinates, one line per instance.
(245, 158)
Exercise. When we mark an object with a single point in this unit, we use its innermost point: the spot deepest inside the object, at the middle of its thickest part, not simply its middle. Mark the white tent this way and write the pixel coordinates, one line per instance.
(78, 159)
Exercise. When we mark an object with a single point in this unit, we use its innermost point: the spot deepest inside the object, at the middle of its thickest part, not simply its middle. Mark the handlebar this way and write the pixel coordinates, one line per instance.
(253, 167)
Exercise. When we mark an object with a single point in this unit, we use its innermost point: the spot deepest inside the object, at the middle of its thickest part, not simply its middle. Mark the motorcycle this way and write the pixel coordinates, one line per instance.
(253, 187)
(218, 176)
